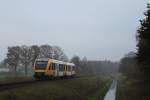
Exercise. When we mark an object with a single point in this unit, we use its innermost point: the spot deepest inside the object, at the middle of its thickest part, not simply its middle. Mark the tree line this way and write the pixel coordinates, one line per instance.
(128, 65)
(20, 59)
(86, 67)
(138, 67)
(143, 54)
(24, 56)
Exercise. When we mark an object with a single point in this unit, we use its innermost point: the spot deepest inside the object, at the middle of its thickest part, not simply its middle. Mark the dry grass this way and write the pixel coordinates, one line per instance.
(75, 89)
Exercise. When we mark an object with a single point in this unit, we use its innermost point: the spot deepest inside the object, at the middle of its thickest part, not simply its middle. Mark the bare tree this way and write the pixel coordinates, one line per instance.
(25, 57)
(46, 51)
(35, 53)
(13, 58)
(76, 61)
(55, 52)
(59, 54)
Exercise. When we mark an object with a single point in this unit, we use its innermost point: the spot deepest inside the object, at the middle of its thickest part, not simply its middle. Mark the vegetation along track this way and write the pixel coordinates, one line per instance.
(7, 86)
(13, 85)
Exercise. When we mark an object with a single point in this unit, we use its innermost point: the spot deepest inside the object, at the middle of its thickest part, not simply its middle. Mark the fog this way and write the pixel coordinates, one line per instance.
(97, 29)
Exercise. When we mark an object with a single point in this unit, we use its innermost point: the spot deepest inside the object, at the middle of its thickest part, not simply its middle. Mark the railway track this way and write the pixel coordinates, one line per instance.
(14, 85)
(7, 86)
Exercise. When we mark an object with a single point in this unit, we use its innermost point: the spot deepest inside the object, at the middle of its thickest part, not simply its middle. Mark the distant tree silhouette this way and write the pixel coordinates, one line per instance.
(13, 58)
(143, 54)
(88, 67)
(59, 54)
(25, 57)
(76, 60)
(35, 53)
(143, 46)
(143, 38)
(46, 51)
(128, 65)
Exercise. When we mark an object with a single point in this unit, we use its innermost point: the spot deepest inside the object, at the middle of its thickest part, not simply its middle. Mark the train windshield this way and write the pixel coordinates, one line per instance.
(41, 64)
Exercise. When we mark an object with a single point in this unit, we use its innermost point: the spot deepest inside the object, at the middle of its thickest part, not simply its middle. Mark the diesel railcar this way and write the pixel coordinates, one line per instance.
(45, 68)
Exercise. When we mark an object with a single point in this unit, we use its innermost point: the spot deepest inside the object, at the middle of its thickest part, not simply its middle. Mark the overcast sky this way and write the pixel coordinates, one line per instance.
(97, 29)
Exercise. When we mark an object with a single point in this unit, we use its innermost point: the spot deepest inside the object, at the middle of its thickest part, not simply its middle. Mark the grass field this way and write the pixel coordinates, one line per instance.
(9, 79)
(100, 94)
(127, 89)
(84, 88)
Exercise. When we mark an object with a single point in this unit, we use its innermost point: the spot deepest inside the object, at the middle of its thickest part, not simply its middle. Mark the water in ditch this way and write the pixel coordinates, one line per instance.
(111, 94)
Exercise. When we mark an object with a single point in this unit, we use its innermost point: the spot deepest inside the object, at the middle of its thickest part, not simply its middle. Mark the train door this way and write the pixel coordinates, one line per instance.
(57, 70)
(49, 69)
(54, 68)
(65, 69)
(61, 70)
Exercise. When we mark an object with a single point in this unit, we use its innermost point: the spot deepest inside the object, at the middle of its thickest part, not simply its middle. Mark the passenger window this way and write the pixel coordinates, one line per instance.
(73, 68)
(50, 66)
(59, 67)
(69, 68)
(53, 66)
(64, 67)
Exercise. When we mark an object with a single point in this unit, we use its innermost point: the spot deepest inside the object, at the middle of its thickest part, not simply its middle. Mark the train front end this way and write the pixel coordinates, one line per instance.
(40, 68)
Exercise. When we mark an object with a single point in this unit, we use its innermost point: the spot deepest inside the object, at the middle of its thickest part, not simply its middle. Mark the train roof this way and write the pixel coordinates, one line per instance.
(55, 61)
(71, 64)
(42, 59)
(61, 62)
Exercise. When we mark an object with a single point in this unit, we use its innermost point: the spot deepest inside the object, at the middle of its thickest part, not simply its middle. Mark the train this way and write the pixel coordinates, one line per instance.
(47, 68)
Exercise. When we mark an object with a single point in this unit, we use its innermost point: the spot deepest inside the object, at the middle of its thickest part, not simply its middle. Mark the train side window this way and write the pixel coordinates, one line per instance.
(54, 66)
(73, 68)
(59, 67)
(69, 68)
(64, 67)
(50, 66)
